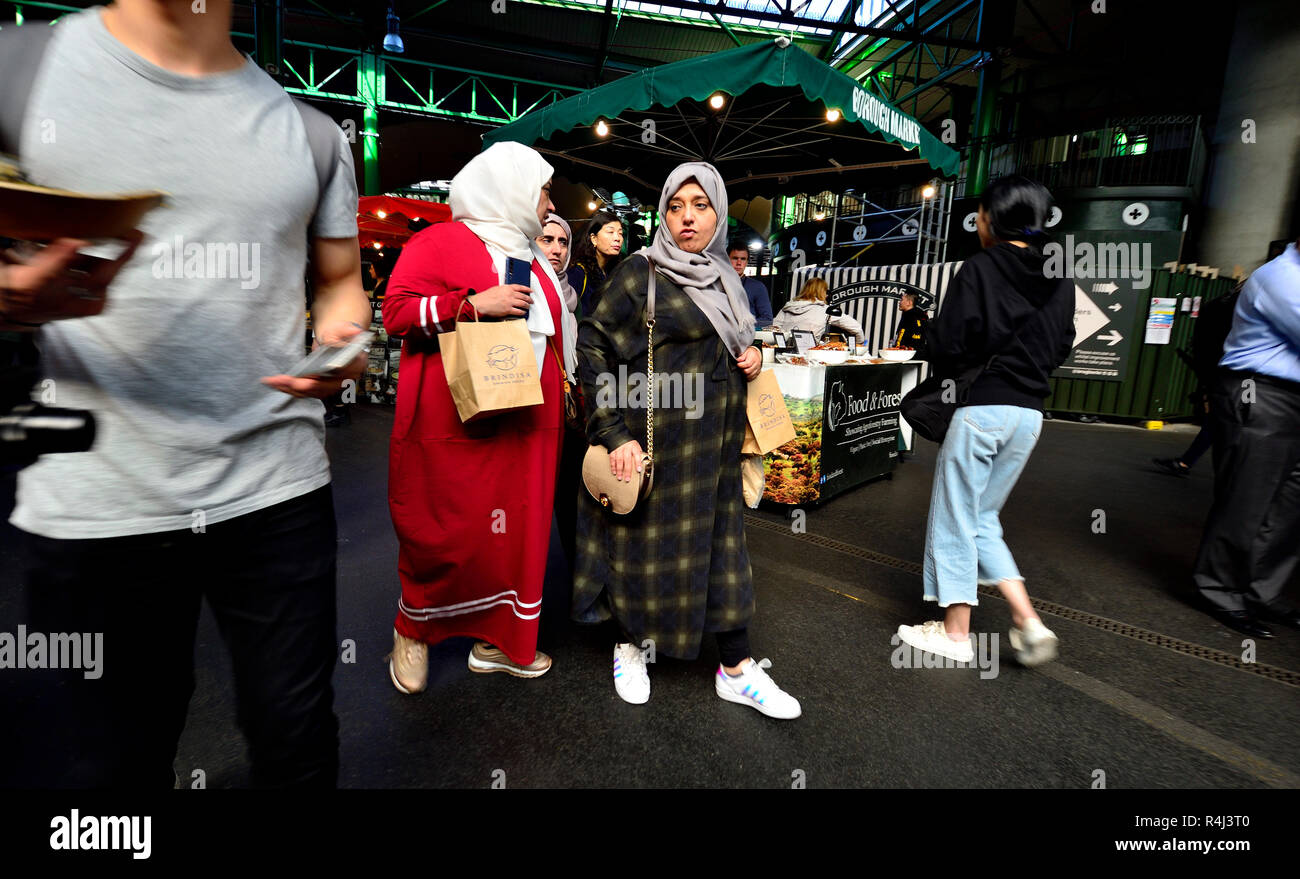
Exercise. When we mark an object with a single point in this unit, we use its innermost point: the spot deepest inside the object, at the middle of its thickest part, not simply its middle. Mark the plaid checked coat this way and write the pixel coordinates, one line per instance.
(676, 566)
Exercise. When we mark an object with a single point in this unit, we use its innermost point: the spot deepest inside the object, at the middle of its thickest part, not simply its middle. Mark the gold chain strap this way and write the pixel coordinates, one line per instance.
(650, 402)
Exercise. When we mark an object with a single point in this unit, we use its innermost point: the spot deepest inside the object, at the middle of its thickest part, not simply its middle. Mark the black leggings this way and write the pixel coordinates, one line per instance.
(733, 646)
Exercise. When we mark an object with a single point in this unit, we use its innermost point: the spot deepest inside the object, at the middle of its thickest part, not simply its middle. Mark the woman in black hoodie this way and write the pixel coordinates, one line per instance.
(1002, 310)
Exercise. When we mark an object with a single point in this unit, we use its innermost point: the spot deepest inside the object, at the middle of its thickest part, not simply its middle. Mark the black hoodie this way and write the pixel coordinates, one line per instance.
(997, 290)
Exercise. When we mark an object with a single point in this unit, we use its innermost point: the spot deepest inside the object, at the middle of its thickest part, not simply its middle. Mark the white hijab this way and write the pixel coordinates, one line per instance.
(496, 196)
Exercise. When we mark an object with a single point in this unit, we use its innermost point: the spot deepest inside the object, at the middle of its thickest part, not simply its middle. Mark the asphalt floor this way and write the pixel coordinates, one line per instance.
(1148, 692)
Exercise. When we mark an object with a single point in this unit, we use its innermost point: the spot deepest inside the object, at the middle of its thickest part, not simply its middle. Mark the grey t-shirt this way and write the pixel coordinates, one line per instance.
(211, 302)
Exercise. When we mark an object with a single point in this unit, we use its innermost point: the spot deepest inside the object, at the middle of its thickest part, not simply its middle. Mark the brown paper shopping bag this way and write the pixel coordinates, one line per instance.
(490, 367)
(769, 425)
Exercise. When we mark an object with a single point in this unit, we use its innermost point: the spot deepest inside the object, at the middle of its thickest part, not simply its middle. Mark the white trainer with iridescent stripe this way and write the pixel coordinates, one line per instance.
(631, 679)
(754, 688)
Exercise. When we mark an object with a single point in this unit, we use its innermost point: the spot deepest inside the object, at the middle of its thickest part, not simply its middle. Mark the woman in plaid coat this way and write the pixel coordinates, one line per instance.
(676, 567)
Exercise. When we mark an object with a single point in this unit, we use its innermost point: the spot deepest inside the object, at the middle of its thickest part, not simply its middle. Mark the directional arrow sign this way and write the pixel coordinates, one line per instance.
(1105, 288)
(1111, 339)
(1088, 318)
(1115, 307)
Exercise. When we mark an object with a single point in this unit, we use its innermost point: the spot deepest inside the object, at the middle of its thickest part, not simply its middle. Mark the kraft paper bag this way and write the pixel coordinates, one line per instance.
(490, 368)
(769, 424)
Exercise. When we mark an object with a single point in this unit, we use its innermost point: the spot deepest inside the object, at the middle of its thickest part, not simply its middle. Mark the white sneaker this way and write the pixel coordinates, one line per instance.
(754, 688)
(1034, 644)
(932, 637)
(631, 679)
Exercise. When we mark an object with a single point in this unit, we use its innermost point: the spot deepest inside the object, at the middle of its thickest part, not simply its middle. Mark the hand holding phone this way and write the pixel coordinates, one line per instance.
(327, 360)
(519, 271)
(503, 300)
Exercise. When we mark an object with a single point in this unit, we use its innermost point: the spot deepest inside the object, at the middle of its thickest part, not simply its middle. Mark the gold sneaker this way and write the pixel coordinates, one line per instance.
(485, 658)
(408, 664)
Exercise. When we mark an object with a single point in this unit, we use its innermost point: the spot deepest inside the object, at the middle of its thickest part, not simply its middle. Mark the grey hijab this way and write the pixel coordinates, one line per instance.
(707, 277)
(566, 289)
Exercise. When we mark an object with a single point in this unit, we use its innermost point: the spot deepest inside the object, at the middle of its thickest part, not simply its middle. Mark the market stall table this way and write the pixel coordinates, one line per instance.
(848, 430)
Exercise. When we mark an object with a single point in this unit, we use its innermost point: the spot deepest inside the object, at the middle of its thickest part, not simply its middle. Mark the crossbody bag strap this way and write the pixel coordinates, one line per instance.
(650, 361)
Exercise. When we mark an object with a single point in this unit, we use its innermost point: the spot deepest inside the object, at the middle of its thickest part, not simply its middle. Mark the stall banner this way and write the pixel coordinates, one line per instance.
(846, 430)
(793, 472)
(870, 294)
(859, 438)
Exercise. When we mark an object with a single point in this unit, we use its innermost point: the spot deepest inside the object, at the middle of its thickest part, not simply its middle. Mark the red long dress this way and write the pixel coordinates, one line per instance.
(471, 503)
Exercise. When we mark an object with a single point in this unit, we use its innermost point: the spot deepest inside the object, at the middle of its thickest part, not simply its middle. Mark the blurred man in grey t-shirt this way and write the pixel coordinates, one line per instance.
(208, 477)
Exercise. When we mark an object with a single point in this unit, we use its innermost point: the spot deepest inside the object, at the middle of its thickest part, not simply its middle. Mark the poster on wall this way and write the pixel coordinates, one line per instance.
(1103, 318)
(1160, 320)
(1113, 272)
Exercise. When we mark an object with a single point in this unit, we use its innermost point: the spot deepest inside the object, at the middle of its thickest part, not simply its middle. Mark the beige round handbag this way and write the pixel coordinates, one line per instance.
(612, 493)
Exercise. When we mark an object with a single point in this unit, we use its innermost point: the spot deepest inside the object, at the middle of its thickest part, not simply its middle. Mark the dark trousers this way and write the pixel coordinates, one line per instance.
(269, 578)
(1200, 445)
(1249, 548)
(733, 646)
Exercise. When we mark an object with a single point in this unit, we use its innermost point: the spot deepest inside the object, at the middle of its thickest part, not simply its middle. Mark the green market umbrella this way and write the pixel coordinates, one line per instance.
(772, 133)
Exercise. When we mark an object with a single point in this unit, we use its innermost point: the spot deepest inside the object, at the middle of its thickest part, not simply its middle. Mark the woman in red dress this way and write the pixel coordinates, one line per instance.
(471, 503)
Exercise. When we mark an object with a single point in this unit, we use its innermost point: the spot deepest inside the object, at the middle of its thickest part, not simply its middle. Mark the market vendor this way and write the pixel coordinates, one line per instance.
(912, 325)
(808, 312)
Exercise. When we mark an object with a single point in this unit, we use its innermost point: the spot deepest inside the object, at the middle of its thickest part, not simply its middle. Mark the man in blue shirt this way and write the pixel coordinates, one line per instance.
(1249, 549)
(759, 302)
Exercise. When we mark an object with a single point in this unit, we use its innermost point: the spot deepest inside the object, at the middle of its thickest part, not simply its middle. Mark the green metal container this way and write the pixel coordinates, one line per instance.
(1159, 381)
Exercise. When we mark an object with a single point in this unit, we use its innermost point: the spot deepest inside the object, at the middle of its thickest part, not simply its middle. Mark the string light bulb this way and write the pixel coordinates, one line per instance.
(717, 101)
(832, 115)
(602, 128)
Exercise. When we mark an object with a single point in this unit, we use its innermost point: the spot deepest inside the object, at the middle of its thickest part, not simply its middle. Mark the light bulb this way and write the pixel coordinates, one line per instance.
(602, 128)
(717, 101)
(832, 115)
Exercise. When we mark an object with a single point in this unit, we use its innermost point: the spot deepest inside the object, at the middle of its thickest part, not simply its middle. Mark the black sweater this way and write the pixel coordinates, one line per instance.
(997, 290)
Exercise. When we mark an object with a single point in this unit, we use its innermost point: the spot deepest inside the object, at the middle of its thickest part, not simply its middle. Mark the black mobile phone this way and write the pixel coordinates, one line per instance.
(518, 272)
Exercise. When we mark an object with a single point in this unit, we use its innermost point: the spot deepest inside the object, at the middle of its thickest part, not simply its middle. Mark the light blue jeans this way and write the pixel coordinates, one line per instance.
(979, 462)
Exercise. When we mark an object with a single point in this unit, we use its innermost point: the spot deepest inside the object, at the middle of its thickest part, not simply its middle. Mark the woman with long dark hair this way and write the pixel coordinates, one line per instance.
(676, 566)
(1004, 312)
(595, 254)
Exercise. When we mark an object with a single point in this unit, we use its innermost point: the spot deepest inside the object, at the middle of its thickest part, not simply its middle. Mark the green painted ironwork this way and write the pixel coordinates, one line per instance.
(416, 86)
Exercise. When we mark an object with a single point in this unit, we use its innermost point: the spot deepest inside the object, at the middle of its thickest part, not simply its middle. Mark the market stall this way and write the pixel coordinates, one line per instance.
(384, 222)
(846, 415)
(769, 116)
(847, 426)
